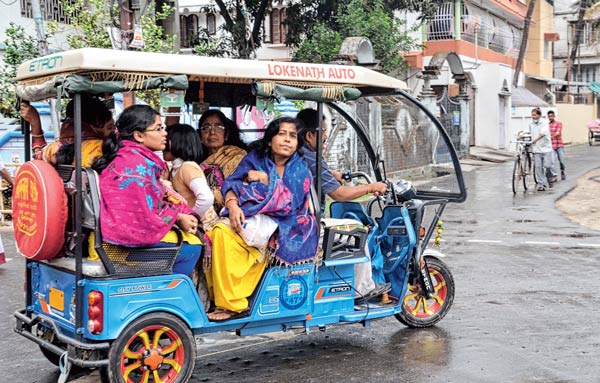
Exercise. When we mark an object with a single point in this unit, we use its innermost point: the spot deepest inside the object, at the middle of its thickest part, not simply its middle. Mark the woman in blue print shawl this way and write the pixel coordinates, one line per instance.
(272, 180)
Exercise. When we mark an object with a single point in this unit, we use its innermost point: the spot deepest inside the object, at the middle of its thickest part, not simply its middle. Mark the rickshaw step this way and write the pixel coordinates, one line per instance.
(372, 314)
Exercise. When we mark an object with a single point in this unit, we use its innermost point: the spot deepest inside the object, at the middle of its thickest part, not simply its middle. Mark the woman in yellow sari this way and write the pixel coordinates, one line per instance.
(272, 181)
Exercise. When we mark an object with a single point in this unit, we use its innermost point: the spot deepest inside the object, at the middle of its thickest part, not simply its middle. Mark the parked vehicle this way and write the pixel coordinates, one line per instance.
(593, 131)
(130, 316)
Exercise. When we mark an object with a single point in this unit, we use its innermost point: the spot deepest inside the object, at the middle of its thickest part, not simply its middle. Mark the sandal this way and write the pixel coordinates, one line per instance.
(221, 315)
(379, 289)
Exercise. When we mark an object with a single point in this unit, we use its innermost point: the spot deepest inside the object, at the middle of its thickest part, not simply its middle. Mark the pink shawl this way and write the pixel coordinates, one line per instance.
(134, 209)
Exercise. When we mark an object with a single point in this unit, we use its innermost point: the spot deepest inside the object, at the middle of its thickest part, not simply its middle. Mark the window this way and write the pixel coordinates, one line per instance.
(188, 26)
(275, 35)
(52, 10)
(278, 26)
(211, 23)
(589, 34)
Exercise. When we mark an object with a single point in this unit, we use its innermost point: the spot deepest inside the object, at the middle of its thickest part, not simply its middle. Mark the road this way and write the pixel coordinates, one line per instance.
(524, 311)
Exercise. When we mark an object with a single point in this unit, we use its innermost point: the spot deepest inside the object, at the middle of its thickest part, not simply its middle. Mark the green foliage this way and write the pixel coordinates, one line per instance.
(371, 20)
(321, 47)
(207, 45)
(20, 47)
(91, 20)
(358, 18)
(155, 39)
(244, 19)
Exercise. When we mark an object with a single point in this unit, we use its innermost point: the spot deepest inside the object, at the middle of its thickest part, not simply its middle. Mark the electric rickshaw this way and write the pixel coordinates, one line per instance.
(130, 316)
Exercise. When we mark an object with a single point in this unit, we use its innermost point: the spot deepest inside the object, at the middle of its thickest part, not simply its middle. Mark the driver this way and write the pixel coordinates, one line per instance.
(330, 185)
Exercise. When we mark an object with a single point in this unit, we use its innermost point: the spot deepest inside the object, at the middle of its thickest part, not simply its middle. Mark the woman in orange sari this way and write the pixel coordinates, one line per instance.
(223, 150)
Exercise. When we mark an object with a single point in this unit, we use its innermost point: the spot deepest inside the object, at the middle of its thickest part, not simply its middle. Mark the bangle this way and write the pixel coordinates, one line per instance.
(37, 135)
(230, 199)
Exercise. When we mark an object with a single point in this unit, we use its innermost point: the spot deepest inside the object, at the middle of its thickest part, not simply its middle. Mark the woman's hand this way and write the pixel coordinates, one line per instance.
(236, 216)
(257, 175)
(29, 113)
(188, 223)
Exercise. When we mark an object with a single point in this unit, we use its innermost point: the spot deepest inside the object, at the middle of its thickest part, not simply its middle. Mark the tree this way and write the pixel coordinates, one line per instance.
(524, 39)
(304, 14)
(243, 23)
(90, 19)
(20, 47)
(244, 20)
(358, 18)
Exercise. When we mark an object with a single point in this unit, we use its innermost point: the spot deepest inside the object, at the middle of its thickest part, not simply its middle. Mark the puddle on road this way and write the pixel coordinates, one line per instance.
(461, 222)
(427, 346)
(519, 233)
(575, 235)
(524, 220)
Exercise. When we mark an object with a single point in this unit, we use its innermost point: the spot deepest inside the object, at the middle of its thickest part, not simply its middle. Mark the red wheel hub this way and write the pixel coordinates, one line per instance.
(418, 306)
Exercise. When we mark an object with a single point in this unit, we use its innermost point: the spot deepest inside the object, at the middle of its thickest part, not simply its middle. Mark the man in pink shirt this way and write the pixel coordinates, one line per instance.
(557, 143)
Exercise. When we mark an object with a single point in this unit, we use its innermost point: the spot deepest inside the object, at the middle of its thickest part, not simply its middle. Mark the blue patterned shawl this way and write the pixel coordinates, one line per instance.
(285, 200)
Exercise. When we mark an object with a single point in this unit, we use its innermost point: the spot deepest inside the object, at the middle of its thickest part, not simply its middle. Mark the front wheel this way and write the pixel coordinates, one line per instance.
(417, 310)
(516, 176)
(157, 347)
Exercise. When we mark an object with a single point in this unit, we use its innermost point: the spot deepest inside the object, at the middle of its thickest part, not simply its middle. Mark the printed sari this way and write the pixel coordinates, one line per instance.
(237, 267)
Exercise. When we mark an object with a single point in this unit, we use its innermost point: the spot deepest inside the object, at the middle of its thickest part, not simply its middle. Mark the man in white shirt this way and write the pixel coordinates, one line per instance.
(541, 148)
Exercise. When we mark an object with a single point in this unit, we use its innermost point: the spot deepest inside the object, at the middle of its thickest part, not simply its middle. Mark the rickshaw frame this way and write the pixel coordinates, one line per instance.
(59, 66)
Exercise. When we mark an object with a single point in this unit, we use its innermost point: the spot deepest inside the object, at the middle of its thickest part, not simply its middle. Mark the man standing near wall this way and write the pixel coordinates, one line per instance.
(557, 144)
(541, 147)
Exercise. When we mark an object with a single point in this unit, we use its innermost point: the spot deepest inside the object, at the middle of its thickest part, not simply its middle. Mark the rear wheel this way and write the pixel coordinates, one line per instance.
(52, 357)
(157, 347)
(590, 137)
(516, 175)
(419, 311)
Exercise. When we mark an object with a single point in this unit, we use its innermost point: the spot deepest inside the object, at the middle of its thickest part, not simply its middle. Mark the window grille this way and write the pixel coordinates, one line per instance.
(52, 10)
(211, 23)
(188, 26)
(275, 30)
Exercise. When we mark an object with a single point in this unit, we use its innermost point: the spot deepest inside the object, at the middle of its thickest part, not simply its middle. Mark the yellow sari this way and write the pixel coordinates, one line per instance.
(236, 269)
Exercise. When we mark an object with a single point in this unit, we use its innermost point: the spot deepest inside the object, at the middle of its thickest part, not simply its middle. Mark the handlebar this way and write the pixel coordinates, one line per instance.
(349, 176)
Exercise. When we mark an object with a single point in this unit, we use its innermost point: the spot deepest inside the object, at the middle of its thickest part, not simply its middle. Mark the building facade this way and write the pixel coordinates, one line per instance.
(486, 36)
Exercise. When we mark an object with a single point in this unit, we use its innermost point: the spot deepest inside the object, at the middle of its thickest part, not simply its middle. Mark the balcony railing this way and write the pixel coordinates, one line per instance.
(477, 27)
(563, 97)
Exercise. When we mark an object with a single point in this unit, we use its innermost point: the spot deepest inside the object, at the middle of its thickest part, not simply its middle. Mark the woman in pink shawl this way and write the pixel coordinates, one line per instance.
(136, 209)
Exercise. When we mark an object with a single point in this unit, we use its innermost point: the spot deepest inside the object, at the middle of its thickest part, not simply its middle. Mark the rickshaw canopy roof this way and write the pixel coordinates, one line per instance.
(134, 67)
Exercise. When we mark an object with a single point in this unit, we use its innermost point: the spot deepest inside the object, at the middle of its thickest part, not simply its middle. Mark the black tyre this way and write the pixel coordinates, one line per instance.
(157, 347)
(527, 171)
(590, 138)
(532, 161)
(52, 357)
(516, 176)
(418, 311)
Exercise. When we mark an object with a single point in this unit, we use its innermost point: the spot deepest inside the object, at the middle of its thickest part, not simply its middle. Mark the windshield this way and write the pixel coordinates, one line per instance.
(403, 136)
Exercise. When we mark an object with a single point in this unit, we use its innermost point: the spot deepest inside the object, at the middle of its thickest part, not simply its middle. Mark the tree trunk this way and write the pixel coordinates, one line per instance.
(524, 39)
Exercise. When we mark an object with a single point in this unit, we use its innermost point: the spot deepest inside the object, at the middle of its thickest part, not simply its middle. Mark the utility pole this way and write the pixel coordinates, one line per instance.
(126, 18)
(36, 10)
(523, 46)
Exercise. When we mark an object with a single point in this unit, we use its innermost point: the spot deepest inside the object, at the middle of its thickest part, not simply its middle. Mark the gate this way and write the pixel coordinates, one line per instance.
(449, 115)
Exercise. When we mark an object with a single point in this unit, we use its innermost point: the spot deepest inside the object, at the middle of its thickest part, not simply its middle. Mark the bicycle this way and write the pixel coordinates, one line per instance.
(524, 163)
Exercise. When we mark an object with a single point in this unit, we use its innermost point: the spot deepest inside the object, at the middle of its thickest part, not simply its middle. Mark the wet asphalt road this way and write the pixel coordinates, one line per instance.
(525, 309)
